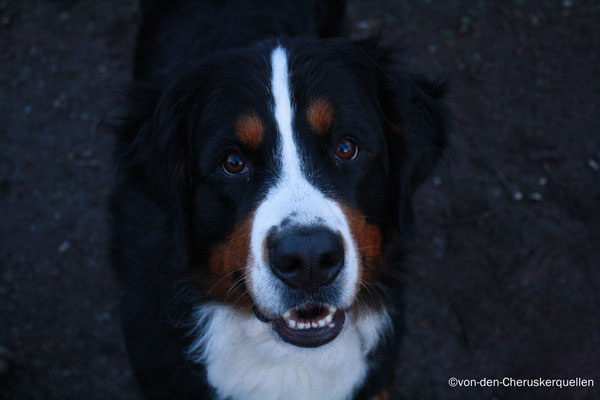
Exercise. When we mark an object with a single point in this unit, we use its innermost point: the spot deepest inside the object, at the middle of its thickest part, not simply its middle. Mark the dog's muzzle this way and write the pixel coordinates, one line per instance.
(307, 260)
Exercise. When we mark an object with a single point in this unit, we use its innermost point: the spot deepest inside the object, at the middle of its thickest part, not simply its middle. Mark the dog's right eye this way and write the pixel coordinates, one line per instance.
(234, 164)
(346, 149)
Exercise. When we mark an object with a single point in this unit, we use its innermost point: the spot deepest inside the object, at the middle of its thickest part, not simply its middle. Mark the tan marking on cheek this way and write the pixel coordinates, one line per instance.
(227, 266)
(395, 128)
(181, 169)
(320, 115)
(249, 129)
(368, 239)
(383, 395)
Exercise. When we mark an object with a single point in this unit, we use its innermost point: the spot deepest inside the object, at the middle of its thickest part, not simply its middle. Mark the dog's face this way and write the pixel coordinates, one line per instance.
(296, 165)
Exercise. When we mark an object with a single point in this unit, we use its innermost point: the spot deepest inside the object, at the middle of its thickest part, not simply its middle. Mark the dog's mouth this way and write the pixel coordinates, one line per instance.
(311, 325)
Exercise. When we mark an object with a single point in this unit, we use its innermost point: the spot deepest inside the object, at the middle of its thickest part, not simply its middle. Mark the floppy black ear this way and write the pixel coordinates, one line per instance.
(153, 140)
(153, 161)
(416, 122)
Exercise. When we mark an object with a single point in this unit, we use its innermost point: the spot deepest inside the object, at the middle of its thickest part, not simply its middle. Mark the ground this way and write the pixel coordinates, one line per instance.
(503, 279)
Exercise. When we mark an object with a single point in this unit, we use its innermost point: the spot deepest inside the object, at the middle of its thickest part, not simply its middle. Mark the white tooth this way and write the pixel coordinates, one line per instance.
(314, 324)
(287, 314)
(332, 310)
(300, 325)
(328, 318)
(291, 323)
(322, 323)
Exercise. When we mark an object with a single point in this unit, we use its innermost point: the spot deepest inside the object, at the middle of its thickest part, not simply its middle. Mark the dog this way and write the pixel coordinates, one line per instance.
(265, 169)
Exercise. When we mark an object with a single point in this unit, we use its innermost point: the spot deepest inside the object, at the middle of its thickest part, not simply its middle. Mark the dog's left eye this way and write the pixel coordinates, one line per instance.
(346, 149)
(234, 164)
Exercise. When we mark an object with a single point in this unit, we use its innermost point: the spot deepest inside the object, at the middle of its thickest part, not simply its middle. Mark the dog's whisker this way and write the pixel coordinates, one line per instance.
(238, 283)
(223, 278)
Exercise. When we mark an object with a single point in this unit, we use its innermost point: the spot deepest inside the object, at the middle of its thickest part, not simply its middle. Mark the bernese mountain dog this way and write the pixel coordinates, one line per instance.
(265, 168)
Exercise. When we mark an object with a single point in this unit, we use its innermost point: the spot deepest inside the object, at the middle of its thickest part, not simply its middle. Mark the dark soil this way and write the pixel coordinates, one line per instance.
(503, 280)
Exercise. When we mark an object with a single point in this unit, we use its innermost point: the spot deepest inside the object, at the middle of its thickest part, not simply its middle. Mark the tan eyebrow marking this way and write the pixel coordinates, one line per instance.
(249, 129)
(320, 115)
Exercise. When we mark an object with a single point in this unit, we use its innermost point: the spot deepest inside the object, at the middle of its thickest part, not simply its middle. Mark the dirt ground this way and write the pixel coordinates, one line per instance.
(503, 280)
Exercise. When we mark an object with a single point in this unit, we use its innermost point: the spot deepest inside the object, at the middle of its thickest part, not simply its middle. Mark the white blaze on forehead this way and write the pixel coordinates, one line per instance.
(292, 197)
(280, 88)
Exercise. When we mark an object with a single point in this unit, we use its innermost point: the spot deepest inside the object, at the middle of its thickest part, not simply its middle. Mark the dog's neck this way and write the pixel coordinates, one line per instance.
(245, 360)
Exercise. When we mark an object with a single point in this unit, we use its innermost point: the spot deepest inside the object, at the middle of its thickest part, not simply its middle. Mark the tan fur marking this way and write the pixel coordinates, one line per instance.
(227, 265)
(181, 169)
(250, 129)
(383, 395)
(320, 115)
(368, 239)
(395, 128)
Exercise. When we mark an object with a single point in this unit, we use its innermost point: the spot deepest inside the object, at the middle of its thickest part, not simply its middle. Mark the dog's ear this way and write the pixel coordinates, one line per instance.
(153, 140)
(415, 121)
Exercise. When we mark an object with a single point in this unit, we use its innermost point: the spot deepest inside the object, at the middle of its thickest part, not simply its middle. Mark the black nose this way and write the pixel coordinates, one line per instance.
(306, 258)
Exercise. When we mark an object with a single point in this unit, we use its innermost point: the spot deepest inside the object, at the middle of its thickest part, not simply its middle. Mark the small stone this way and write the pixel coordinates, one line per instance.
(363, 25)
(64, 246)
(535, 20)
(535, 196)
(437, 181)
(518, 196)
(542, 181)
(593, 164)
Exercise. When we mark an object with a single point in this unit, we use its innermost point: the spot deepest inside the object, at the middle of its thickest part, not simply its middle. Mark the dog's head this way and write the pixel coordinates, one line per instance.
(293, 167)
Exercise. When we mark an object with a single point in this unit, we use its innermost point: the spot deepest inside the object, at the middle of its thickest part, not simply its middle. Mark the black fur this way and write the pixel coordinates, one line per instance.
(196, 66)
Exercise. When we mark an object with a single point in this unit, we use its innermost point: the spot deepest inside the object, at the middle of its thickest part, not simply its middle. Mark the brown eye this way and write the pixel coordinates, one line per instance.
(346, 149)
(234, 164)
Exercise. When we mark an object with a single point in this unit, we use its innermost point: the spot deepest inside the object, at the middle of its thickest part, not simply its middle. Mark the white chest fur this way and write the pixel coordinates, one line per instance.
(245, 360)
